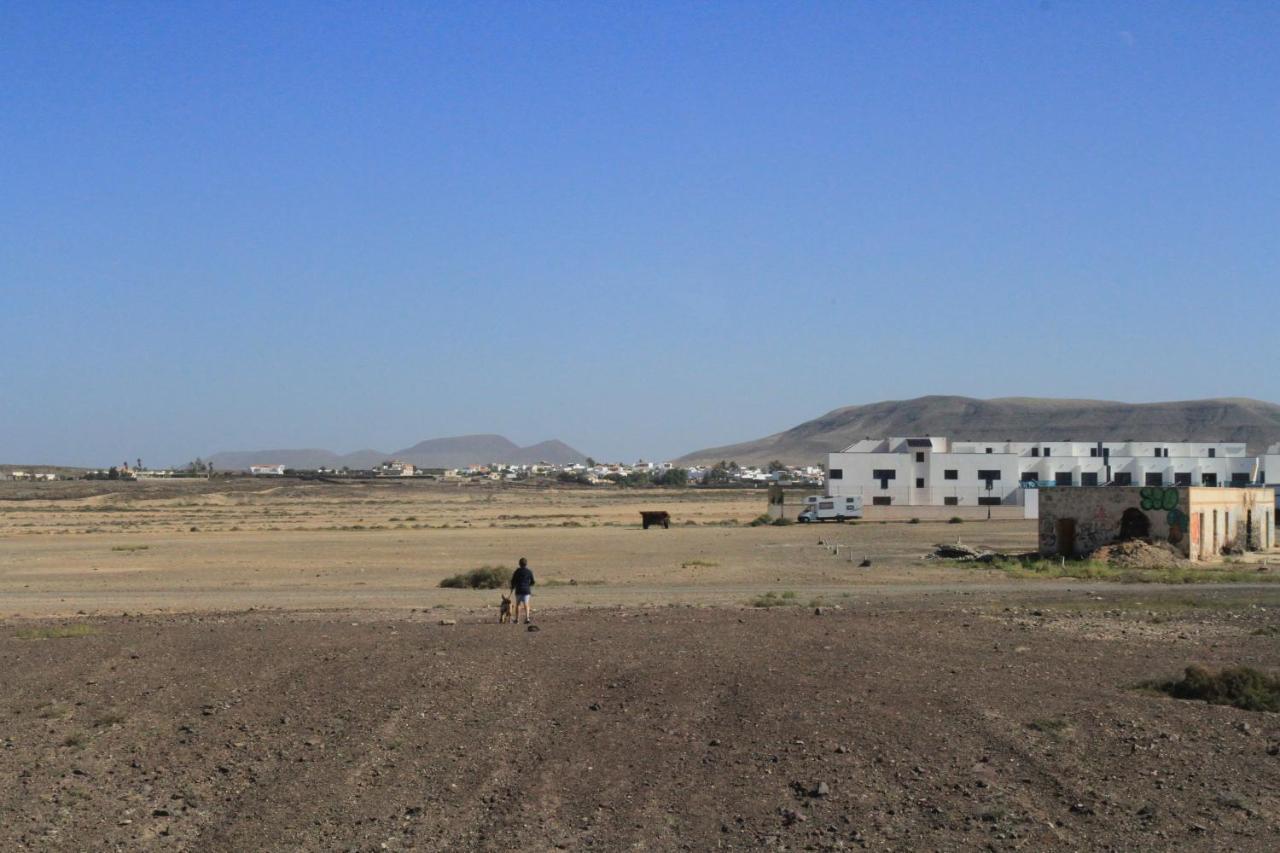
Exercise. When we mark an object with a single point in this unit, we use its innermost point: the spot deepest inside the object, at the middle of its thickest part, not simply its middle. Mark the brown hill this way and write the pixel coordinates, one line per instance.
(1011, 418)
(451, 452)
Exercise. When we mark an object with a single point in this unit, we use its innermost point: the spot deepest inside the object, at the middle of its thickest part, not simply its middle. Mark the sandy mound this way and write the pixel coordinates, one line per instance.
(1140, 554)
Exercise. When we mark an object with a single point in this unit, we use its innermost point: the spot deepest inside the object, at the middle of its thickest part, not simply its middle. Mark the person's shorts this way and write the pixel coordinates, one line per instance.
(523, 597)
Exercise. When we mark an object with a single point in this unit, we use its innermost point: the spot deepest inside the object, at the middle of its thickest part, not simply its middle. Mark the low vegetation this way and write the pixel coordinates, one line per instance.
(485, 577)
(698, 564)
(56, 632)
(775, 599)
(955, 519)
(130, 548)
(1240, 686)
(1035, 567)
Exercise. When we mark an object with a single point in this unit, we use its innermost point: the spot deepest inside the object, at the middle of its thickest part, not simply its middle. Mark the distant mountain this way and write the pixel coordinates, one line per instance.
(451, 452)
(1253, 422)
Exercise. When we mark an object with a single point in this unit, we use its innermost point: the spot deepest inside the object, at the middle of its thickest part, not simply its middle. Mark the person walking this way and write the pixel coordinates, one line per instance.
(522, 585)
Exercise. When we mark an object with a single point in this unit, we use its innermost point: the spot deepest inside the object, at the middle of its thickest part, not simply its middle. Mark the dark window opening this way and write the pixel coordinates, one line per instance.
(988, 449)
(1046, 451)
(1029, 477)
(1154, 480)
(884, 474)
(1213, 452)
(1063, 478)
(1035, 451)
(1239, 479)
(990, 474)
(1123, 479)
(1208, 479)
(1093, 451)
(951, 502)
(1182, 479)
(881, 500)
(919, 457)
(951, 474)
(835, 474)
(989, 501)
(919, 482)
(1089, 478)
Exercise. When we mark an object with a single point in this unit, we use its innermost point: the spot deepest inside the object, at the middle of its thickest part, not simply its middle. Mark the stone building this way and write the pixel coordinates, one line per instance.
(1201, 523)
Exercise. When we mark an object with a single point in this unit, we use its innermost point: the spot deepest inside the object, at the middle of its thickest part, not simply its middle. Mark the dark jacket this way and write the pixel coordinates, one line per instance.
(522, 581)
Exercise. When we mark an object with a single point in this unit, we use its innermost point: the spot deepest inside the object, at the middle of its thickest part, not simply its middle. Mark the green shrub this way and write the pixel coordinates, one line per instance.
(485, 577)
(56, 632)
(955, 519)
(773, 599)
(781, 522)
(1240, 686)
(914, 521)
(760, 521)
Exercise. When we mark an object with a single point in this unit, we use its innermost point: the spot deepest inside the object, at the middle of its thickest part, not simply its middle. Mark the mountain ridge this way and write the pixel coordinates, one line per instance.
(1235, 419)
(448, 452)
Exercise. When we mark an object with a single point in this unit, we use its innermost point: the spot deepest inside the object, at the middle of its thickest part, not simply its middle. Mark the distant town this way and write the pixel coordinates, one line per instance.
(589, 473)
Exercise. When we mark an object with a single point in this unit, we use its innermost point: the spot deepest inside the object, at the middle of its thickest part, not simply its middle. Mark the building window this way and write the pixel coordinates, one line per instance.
(835, 474)
(988, 449)
(1208, 479)
(1035, 451)
(1153, 480)
(1029, 477)
(881, 500)
(1157, 453)
(951, 474)
(1124, 478)
(919, 482)
(989, 474)
(1183, 479)
(989, 501)
(1213, 452)
(919, 457)
(1089, 478)
(1046, 451)
(1239, 479)
(951, 502)
(1093, 451)
(1063, 478)
(884, 474)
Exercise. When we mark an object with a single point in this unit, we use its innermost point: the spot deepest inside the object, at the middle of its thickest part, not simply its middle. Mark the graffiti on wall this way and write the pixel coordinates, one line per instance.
(1157, 499)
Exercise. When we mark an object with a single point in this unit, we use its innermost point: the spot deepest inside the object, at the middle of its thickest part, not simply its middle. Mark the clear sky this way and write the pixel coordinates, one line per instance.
(642, 228)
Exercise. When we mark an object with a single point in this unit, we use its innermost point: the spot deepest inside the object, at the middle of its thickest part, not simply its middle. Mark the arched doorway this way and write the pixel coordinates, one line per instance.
(1134, 524)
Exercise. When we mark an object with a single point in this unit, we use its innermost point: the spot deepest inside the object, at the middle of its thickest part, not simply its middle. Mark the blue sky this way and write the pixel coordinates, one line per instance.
(641, 228)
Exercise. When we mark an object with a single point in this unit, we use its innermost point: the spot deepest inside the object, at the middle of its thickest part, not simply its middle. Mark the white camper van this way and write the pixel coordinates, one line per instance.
(830, 509)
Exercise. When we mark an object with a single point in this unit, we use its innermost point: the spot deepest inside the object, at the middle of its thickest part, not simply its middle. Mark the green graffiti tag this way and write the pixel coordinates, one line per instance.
(1154, 498)
(1179, 524)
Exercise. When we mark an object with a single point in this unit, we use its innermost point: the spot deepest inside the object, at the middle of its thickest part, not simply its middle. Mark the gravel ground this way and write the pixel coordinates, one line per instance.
(955, 725)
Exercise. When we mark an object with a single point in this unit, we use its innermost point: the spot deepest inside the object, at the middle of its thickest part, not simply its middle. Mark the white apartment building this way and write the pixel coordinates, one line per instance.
(936, 471)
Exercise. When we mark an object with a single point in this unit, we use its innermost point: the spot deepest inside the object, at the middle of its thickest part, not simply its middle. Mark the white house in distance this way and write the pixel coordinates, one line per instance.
(269, 470)
(936, 471)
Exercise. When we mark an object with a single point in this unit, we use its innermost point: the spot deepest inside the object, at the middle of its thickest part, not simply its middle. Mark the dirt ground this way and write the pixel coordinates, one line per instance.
(311, 687)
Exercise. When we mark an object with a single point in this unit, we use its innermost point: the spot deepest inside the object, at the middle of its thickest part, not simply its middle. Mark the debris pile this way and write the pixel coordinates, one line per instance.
(962, 553)
(1140, 554)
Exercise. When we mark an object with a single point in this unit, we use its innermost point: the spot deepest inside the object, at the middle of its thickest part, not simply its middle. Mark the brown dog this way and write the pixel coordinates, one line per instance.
(506, 611)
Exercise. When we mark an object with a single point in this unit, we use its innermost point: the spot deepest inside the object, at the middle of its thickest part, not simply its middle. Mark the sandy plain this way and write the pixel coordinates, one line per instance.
(288, 675)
